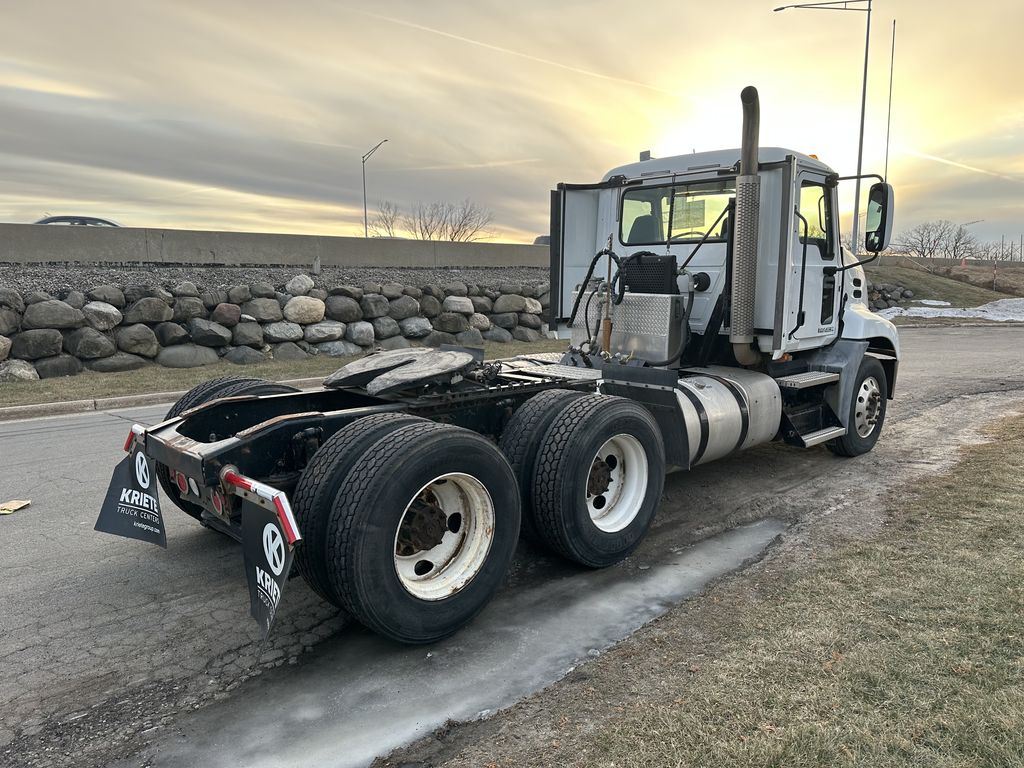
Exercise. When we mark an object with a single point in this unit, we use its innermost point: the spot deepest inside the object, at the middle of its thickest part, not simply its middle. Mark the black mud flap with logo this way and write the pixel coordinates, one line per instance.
(268, 561)
(131, 507)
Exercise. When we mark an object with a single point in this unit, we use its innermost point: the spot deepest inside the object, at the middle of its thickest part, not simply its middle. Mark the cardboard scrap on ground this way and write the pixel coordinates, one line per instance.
(9, 507)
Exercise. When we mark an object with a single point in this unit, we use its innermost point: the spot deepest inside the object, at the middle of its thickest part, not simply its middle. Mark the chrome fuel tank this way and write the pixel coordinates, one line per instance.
(727, 409)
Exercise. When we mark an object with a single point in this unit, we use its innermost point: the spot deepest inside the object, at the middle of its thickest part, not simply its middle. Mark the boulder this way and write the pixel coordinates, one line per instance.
(391, 290)
(339, 349)
(344, 309)
(456, 288)
(459, 304)
(528, 291)
(239, 294)
(413, 291)
(148, 310)
(437, 338)
(247, 334)
(188, 307)
(907, 293)
(10, 321)
(545, 300)
(209, 334)
(470, 338)
(371, 288)
(55, 367)
(244, 356)
(108, 294)
(482, 304)
(513, 288)
(227, 315)
(262, 291)
(325, 330)
(525, 334)
(11, 299)
(169, 334)
(299, 285)
(282, 299)
(211, 299)
(451, 322)
(132, 293)
(281, 332)
(88, 344)
(75, 299)
(51, 314)
(263, 309)
(318, 293)
(505, 320)
(529, 321)
(434, 290)
(533, 306)
(186, 356)
(34, 297)
(17, 370)
(5, 348)
(497, 334)
(117, 362)
(186, 288)
(289, 351)
(348, 291)
(415, 327)
(510, 302)
(430, 306)
(304, 310)
(403, 307)
(395, 342)
(359, 332)
(101, 315)
(36, 344)
(491, 294)
(137, 339)
(374, 305)
(479, 321)
(384, 327)
(472, 289)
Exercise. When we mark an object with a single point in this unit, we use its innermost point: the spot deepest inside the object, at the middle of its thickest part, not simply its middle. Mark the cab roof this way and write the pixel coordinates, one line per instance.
(722, 158)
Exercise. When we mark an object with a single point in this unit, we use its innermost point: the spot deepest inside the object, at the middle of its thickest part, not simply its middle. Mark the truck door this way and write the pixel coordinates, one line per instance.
(813, 320)
(575, 214)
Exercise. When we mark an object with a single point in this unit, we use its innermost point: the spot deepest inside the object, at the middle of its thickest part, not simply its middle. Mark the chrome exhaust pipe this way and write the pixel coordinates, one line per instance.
(744, 260)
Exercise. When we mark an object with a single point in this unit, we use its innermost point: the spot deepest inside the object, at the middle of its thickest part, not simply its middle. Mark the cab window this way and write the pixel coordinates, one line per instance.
(816, 208)
(694, 210)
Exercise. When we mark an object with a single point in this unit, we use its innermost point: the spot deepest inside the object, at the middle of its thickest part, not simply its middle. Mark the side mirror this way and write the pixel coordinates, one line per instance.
(878, 229)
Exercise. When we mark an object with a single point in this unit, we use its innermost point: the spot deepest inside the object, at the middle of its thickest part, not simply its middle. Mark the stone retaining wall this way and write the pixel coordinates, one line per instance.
(123, 327)
(885, 295)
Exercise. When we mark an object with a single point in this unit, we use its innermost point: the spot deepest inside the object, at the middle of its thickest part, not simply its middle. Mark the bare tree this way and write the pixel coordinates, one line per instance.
(466, 222)
(385, 222)
(425, 221)
(925, 241)
(959, 243)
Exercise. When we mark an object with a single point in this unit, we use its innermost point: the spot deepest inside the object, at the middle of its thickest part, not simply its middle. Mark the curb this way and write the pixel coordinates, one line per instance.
(35, 410)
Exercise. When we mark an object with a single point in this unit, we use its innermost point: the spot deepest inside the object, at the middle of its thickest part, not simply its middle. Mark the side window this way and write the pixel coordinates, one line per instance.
(639, 221)
(815, 206)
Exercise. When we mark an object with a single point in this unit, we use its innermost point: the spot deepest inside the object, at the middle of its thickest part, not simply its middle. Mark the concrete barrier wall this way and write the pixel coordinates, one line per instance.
(34, 244)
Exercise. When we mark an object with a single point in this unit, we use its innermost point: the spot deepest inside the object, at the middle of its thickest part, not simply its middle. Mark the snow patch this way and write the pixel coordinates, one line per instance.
(932, 303)
(1003, 310)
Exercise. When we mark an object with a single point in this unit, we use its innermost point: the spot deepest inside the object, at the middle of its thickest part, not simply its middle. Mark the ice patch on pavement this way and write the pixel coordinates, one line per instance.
(1003, 310)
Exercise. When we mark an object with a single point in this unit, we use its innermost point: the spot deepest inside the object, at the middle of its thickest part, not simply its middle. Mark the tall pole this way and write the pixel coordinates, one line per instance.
(888, 119)
(366, 227)
(860, 141)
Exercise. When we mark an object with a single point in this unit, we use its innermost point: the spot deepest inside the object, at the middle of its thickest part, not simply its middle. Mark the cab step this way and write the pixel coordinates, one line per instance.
(807, 379)
(822, 436)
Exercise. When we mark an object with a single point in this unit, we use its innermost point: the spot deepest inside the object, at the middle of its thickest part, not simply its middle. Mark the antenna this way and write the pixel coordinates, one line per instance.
(888, 119)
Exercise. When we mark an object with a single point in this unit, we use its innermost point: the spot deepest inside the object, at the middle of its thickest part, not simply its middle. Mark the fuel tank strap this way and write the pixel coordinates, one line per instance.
(702, 414)
(741, 402)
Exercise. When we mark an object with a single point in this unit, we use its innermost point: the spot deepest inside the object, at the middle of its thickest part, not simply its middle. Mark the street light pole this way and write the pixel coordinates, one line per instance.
(366, 226)
(845, 5)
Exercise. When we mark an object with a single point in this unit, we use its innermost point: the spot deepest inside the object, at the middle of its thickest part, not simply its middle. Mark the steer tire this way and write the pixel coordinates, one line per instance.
(324, 475)
(568, 468)
(853, 443)
(225, 386)
(520, 441)
(366, 520)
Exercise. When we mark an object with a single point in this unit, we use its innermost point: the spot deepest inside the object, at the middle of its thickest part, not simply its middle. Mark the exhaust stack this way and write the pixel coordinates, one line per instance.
(744, 262)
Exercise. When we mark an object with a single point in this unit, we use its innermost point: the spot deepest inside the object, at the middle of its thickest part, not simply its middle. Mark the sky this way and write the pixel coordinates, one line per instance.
(250, 115)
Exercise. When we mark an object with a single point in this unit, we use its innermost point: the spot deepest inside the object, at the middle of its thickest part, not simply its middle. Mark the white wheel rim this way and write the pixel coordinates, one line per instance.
(444, 536)
(617, 483)
(868, 406)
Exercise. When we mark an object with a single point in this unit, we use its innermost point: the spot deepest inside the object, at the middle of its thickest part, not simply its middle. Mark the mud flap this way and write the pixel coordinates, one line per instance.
(131, 507)
(268, 561)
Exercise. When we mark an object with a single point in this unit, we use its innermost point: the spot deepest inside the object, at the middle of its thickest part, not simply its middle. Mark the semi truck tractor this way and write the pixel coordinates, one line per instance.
(708, 306)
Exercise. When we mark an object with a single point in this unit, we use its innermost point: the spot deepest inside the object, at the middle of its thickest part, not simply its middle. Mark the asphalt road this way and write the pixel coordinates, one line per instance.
(114, 649)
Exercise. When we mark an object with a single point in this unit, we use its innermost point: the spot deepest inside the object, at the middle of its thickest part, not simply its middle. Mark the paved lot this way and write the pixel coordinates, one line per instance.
(111, 646)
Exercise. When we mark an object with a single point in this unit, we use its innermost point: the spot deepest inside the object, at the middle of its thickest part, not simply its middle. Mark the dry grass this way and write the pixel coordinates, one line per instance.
(904, 651)
(154, 378)
(1006, 279)
(926, 285)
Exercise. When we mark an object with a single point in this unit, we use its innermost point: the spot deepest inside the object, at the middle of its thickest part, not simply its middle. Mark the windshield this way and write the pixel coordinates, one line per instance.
(694, 209)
